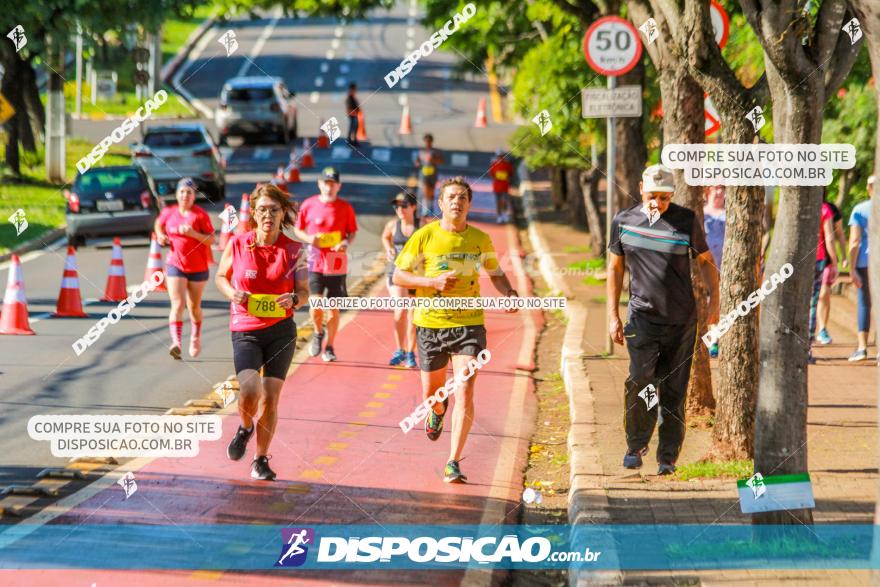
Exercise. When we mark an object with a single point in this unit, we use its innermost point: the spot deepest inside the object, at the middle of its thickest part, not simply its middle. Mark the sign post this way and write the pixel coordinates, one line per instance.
(612, 47)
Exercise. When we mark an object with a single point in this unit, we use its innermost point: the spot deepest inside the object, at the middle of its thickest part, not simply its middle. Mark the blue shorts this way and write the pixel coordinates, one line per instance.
(172, 271)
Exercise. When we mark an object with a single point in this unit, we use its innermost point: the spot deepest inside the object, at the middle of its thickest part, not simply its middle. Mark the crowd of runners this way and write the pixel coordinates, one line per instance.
(267, 275)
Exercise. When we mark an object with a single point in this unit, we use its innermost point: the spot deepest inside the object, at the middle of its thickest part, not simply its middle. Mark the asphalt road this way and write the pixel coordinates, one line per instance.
(128, 370)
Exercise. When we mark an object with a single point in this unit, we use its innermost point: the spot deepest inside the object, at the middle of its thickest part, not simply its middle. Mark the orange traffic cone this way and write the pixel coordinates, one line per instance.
(481, 121)
(154, 263)
(362, 127)
(307, 160)
(323, 139)
(14, 318)
(405, 122)
(292, 171)
(244, 215)
(115, 290)
(226, 229)
(69, 300)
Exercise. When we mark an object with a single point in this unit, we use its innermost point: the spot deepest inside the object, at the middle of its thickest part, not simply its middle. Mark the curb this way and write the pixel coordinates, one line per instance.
(170, 68)
(44, 240)
(587, 501)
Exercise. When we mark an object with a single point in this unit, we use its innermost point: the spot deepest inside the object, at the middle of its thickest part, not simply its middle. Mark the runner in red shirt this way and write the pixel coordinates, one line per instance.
(328, 224)
(188, 229)
(263, 273)
(501, 171)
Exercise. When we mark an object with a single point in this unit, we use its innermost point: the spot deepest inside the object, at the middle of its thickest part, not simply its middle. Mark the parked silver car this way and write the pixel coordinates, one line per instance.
(256, 106)
(168, 153)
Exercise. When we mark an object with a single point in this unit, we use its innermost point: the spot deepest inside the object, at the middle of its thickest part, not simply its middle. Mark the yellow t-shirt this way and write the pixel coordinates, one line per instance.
(432, 251)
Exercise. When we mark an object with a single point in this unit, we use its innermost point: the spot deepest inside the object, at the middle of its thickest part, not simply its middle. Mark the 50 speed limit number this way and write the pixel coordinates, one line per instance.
(612, 46)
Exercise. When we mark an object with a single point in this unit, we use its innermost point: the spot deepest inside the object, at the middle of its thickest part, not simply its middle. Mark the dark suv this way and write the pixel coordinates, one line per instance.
(110, 201)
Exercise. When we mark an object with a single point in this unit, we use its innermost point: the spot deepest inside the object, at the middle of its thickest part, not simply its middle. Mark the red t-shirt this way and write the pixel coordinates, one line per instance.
(335, 221)
(501, 171)
(826, 214)
(263, 270)
(187, 253)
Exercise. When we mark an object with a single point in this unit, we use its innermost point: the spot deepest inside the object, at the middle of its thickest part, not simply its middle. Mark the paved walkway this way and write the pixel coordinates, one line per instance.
(841, 431)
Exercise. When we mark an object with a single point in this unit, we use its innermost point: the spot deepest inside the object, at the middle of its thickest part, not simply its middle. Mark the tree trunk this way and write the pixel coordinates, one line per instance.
(577, 215)
(683, 123)
(844, 183)
(11, 89)
(781, 418)
(557, 187)
(36, 113)
(732, 434)
(632, 153)
(590, 189)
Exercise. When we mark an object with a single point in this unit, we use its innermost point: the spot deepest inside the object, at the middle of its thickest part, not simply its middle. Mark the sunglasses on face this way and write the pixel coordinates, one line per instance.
(400, 205)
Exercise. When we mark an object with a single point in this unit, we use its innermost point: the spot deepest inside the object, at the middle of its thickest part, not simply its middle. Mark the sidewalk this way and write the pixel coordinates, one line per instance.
(842, 415)
(340, 456)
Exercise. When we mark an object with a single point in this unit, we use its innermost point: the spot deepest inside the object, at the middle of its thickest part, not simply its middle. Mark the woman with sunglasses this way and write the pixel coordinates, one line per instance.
(188, 229)
(397, 231)
(263, 273)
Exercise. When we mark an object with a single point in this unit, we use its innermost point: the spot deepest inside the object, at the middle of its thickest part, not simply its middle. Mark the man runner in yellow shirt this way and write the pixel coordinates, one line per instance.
(443, 259)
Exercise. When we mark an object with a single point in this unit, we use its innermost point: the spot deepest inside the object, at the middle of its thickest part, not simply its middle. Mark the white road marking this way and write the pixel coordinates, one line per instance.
(410, 43)
(340, 81)
(337, 32)
(314, 97)
(325, 67)
(340, 153)
(383, 155)
(258, 46)
(410, 32)
(334, 44)
(330, 55)
(403, 100)
(460, 160)
(262, 153)
(319, 81)
(343, 68)
(404, 84)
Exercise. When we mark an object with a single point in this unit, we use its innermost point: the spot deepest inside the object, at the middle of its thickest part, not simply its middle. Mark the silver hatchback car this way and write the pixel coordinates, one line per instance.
(256, 105)
(170, 152)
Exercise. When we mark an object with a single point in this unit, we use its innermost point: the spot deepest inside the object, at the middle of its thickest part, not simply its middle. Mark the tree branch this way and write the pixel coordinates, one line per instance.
(583, 10)
(828, 30)
(841, 61)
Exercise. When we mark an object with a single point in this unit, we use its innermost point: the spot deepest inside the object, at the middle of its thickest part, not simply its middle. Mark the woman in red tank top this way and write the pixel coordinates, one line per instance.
(265, 276)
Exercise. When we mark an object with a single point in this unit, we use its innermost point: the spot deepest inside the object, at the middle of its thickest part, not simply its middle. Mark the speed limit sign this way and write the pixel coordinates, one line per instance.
(612, 46)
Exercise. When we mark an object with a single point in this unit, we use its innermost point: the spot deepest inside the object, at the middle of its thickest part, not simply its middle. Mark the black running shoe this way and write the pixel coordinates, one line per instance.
(239, 442)
(633, 458)
(329, 356)
(260, 469)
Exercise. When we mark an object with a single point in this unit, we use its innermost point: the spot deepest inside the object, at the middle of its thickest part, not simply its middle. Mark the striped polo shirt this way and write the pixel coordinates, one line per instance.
(658, 260)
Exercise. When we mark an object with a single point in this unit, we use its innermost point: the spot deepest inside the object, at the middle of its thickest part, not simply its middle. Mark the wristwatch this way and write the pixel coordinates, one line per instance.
(295, 300)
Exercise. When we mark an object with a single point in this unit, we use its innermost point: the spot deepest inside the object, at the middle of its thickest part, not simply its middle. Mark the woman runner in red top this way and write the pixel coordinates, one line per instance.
(188, 229)
(264, 274)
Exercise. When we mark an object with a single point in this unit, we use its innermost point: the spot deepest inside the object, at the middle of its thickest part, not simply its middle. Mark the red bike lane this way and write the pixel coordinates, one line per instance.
(341, 457)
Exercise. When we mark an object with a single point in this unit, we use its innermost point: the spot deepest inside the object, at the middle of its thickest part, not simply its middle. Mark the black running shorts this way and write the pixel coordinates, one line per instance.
(270, 349)
(436, 345)
(333, 286)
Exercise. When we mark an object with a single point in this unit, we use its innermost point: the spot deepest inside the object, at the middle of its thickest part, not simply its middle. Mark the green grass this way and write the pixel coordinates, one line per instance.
(576, 249)
(590, 280)
(174, 35)
(42, 201)
(588, 265)
(712, 470)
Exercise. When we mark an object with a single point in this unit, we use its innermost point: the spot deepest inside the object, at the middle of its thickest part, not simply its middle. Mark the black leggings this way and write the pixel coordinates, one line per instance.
(269, 348)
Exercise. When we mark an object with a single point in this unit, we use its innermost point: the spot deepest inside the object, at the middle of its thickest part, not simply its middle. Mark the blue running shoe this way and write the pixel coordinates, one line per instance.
(824, 337)
(411, 361)
(713, 351)
(397, 358)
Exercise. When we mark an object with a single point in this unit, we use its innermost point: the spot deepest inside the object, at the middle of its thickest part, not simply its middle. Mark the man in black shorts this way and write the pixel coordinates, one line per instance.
(443, 259)
(656, 240)
(328, 224)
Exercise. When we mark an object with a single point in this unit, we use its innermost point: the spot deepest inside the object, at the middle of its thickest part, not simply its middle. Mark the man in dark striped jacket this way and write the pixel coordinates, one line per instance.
(655, 240)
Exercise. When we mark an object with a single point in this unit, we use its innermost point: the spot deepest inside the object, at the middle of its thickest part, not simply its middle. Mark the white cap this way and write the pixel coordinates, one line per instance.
(657, 178)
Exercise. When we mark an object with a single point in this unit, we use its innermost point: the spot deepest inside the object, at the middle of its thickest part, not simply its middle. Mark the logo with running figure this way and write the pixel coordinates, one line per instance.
(295, 547)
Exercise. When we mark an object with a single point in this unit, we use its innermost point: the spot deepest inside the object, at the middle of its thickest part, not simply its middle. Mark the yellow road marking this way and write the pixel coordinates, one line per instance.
(348, 433)
(497, 114)
(337, 445)
(375, 404)
(325, 460)
(389, 386)
(207, 575)
(312, 474)
(298, 488)
(395, 377)
(360, 423)
(382, 394)
(366, 414)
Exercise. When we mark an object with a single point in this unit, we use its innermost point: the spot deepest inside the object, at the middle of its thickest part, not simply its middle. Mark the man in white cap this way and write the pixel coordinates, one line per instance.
(655, 240)
(858, 261)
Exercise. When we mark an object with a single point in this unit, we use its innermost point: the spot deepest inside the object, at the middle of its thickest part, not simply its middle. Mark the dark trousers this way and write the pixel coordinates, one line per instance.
(352, 129)
(660, 355)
